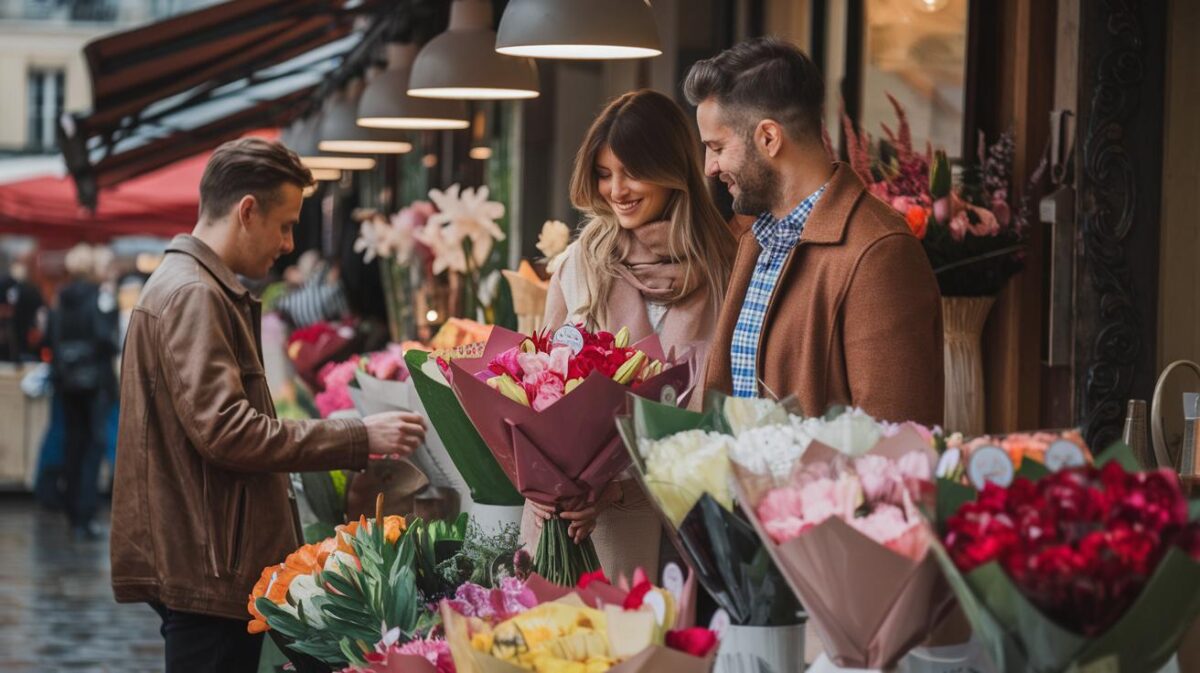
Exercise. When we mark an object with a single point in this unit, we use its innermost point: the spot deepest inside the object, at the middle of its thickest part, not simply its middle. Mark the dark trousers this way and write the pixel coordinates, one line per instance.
(86, 416)
(207, 644)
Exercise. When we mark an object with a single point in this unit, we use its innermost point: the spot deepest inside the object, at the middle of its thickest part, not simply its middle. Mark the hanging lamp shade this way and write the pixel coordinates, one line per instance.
(579, 29)
(301, 137)
(340, 132)
(385, 103)
(462, 62)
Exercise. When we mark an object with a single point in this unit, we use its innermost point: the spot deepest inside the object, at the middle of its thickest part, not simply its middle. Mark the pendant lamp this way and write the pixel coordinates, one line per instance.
(340, 132)
(462, 62)
(385, 104)
(579, 29)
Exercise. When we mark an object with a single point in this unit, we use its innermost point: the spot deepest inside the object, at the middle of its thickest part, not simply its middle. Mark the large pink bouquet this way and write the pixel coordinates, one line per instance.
(547, 415)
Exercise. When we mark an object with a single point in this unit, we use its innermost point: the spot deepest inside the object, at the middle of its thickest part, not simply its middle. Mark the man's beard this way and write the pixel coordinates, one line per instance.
(758, 185)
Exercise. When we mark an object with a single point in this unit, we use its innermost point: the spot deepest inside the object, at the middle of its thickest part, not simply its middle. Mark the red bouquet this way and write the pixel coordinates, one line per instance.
(1077, 566)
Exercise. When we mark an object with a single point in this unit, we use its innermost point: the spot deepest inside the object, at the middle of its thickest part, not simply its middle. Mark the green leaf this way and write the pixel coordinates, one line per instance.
(951, 496)
(323, 498)
(1123, 454)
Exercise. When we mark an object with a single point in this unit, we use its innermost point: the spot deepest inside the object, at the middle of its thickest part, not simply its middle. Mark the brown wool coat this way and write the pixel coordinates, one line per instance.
(855, 318)
(201, 495)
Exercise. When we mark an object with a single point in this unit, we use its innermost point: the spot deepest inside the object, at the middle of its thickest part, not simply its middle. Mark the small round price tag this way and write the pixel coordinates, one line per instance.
(668, 395)
(990, 463)
(1064, 454)
(569, 336)
(672, 580)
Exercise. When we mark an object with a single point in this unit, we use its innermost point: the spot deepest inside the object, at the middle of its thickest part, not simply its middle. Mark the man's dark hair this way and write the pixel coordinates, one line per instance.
(762, 78)
(249, 166)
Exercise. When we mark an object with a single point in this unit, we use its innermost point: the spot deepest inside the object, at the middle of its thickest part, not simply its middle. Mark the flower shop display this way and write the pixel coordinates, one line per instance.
(682, 459)
(841, 523)
(544, 406)
(973, 238)
(595, 627)
(1086, 568)
(999, 458)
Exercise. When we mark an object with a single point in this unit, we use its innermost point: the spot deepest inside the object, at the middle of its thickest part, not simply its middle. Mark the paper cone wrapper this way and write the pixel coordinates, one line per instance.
(868, 604)
(378, 396)
(761, 649)
(565, 454)
(451, 431)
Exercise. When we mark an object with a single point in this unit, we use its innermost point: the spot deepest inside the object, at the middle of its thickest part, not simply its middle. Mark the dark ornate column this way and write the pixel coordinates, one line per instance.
(1119, 155)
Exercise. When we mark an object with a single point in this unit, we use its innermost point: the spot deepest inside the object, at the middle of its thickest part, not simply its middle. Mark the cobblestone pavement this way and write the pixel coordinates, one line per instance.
(57, 613)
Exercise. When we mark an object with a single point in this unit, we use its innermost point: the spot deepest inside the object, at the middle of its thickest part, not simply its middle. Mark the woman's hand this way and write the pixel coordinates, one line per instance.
(541, 513)
(583, 522)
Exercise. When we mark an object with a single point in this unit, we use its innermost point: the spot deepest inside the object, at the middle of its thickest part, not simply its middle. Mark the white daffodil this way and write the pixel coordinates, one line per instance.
(446, 246)
(468, 214)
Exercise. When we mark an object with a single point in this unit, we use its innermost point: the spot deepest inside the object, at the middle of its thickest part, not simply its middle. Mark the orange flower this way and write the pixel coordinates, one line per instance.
(272, 584)
(393, 527)
(918, 221)
(304, 560)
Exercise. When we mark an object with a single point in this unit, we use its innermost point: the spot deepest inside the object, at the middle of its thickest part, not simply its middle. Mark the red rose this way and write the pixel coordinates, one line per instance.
(586, 579)
(695, 641)
(637, 596)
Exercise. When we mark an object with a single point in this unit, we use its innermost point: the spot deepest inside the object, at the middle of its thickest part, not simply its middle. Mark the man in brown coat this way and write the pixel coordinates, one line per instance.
(201, 500)
(831, 298)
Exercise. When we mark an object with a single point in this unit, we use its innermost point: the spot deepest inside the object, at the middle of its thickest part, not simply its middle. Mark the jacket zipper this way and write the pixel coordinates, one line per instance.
(239, 521)
(208, 527)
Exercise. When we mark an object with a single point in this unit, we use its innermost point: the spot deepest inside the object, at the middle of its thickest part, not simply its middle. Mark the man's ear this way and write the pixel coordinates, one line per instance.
(247, 209)
(768, 138)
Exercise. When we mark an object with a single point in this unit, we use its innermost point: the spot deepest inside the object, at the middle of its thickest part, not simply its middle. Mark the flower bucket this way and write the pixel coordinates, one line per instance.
(494, 518)
(962, 327)
(761, 649)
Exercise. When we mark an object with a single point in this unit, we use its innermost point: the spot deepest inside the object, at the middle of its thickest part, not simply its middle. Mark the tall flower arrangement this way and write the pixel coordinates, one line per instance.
(395, 241)
(461, 235)
(965, 223)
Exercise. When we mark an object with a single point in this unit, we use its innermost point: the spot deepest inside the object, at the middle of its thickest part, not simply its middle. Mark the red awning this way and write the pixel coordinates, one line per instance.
(160, 203)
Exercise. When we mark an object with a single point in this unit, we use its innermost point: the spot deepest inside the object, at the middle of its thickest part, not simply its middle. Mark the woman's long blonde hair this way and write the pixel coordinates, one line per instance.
(653, 139)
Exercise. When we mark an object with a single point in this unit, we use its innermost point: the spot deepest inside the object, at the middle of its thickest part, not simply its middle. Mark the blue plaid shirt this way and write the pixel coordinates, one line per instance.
(777, 238)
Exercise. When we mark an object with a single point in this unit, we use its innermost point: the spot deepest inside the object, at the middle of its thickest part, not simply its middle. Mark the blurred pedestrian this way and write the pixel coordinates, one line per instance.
(83, 342)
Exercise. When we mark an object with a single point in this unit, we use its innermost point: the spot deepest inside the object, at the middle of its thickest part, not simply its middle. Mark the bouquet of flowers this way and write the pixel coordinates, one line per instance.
(967, 227)
(1087, 566)
(519, 393)
(326, 602)
(595, 627)
(842, 526)
(682, 458)
(310, 348)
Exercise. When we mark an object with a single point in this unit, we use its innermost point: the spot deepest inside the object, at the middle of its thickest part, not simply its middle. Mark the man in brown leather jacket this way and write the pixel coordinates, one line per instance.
(201, 499)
